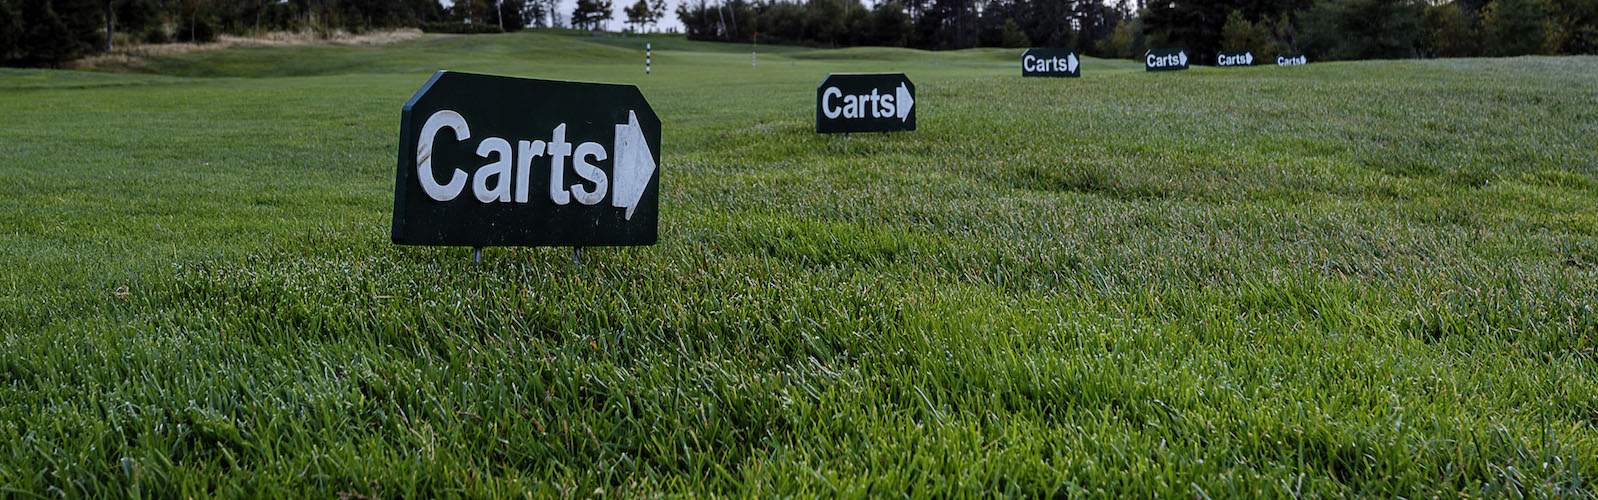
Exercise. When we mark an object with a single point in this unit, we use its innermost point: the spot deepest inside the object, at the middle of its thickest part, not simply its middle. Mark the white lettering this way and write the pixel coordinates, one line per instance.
(558, 150)
(424, 155)
(1046, 65)
(1164, 61)
(876, 103)
(826, 98)
(508, 175)
(589, 173)
(499, 170)
(525, 152)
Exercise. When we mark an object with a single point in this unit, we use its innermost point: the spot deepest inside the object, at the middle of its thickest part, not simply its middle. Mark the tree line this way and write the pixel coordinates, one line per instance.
(1325, 29)
(49, 32)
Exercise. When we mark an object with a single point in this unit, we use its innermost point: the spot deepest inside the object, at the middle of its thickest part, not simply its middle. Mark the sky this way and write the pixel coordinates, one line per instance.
(619, 20)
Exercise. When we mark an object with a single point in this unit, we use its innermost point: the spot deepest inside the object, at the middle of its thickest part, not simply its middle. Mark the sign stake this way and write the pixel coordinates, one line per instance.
(576, 252)
(477, 256)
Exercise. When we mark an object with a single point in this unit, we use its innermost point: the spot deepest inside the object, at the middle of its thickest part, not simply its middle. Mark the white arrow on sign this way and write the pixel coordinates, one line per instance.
(1248, 58)
(905, 102)
(1183, 56)
(1071, 60)
(634, 165)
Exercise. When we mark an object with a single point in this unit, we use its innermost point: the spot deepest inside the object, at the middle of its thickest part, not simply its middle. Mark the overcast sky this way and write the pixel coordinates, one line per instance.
(619, 21)
(670, 22)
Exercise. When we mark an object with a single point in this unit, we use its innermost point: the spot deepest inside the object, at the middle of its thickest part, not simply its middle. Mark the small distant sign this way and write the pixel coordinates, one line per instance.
(499, 161)
(865, 102)
(1244, 58)
(1165, 60)
(1050, 63)
(1291, 60)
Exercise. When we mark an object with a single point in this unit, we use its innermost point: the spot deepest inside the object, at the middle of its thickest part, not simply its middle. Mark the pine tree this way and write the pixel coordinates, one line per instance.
(1515, 27)
(637, 15)
(10, 33)
(657, 11)
(48, 41)
(591, 14)
(1238, 34)
(1012, 36)
(1449, 31)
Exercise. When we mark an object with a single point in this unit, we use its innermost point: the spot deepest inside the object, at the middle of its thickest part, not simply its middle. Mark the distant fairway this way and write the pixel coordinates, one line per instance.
(1373, 278)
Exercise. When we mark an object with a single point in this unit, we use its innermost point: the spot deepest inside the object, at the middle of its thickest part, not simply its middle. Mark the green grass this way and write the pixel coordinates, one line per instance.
(1372, 278)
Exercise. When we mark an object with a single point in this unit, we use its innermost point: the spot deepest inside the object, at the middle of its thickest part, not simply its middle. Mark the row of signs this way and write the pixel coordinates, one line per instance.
(1176, 59)
(1065, 63)
(500, 161)
(1247, 59)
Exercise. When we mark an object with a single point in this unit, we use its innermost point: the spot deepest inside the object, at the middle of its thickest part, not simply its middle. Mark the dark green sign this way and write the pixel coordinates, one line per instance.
(1050, 62)
(1291, 59)
(500, 161)
(865, 102)
(1165, 60)
(1244, 58)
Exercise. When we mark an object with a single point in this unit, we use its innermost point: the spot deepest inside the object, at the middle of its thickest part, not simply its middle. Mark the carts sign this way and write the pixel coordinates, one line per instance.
(1291, 60)
(865, 102)
(1235, 59)
(1050, 62)
(500, 161)
(1165, 60)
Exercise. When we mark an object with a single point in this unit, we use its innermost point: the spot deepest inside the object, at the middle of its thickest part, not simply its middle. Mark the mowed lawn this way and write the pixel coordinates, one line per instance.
(1368, 278)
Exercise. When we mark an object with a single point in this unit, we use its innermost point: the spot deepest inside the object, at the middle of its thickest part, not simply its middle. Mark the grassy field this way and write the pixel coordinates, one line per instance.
(1372, 278)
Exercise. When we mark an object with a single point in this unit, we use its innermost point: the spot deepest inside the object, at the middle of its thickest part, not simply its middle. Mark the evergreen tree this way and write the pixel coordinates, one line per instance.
(11, 33)
(1012, 36)
(591, 14)
(1238, 34)
(48, 41)
(638, 15)
(1515, 27)
(890, 24)
(1365, 29)
(1449, 31)
(1125, 42)
(657, 11)
(1573, 27)
(824, 21)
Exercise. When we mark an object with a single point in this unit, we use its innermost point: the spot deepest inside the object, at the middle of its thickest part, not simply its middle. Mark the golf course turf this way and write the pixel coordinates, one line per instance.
(1346, 278)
